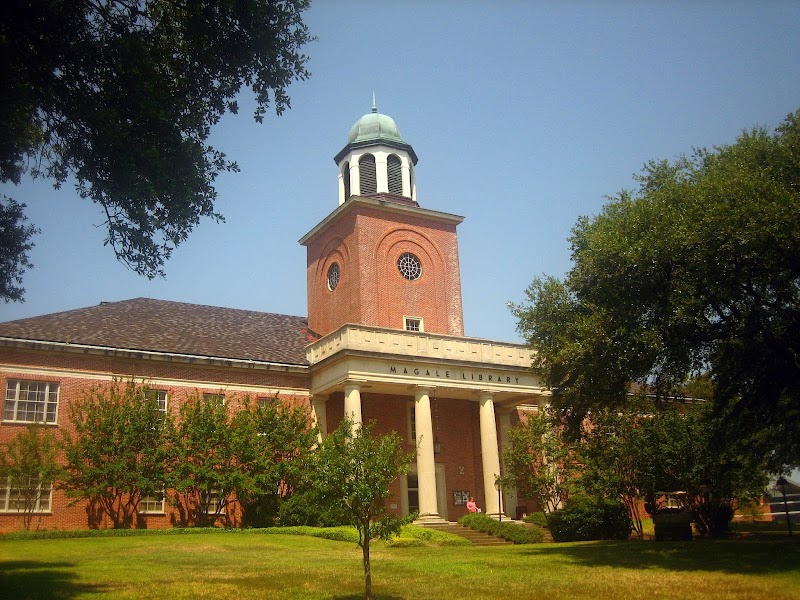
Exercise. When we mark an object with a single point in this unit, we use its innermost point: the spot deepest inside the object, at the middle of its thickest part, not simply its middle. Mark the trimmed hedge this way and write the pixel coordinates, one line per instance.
(537, 518)
(518, 534)
(590, 519)
(410, 535)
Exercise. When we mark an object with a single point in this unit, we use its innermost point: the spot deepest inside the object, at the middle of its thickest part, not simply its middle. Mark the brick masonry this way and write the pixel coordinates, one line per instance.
(366, 242)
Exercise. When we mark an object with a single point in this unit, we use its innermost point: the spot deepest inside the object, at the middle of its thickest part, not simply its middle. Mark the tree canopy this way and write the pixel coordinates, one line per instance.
(121, 95)
(695, 274)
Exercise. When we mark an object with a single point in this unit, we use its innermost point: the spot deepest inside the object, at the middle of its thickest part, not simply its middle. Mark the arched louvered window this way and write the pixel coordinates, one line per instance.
(346, 178)
(395, 174)
(367, 178)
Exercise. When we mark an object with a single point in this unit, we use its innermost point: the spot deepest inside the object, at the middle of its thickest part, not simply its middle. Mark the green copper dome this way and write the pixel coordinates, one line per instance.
(373, 127)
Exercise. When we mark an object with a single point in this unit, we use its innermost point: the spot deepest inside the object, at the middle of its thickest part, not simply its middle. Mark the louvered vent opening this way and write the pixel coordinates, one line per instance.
(368, 180)
(346, 177)
(395, 175)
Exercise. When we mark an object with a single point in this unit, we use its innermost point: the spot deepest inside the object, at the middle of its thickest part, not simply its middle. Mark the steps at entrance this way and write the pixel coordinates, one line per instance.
(478, 538)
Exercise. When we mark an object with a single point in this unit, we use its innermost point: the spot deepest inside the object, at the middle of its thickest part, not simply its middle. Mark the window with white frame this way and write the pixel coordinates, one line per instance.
(216, 399)
(33, 495)
(160, 397)
(152, 505)
(412, 324)
(215, 500)
(30, 401)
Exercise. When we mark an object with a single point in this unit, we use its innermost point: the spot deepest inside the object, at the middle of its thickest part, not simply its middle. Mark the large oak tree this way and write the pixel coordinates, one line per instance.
(696, 273)
(121, 95)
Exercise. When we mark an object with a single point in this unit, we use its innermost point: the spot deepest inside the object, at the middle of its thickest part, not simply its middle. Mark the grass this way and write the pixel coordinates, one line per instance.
(254, 565)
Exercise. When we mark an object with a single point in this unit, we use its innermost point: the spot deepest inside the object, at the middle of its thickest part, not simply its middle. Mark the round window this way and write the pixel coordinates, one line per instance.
(409, 266)
(333, 276)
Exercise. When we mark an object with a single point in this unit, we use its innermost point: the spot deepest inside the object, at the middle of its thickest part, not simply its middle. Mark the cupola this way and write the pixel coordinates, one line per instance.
(377, 161)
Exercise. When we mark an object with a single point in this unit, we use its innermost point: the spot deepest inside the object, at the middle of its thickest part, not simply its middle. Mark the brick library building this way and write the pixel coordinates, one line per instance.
(383, 341)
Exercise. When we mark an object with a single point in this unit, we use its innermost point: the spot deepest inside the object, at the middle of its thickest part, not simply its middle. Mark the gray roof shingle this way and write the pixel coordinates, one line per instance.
(173, 327)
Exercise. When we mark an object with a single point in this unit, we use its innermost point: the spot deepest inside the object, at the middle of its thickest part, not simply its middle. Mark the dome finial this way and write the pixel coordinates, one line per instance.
(374, 106)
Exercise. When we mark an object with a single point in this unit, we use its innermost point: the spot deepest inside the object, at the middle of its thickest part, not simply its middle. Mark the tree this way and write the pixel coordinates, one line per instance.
(121, 95)
(616, 461)
(14, 248)
(204, 467)
(539, 462)
(29, 466)
(354, 468)
(635, 454)
(273, 439)
(696, 273)
(118, 450)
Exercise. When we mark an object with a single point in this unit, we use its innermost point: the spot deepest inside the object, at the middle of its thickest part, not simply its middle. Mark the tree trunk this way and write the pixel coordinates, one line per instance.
(367, 570)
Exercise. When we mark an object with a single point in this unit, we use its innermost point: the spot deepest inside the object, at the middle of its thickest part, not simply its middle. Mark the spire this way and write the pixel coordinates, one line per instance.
(374, 106)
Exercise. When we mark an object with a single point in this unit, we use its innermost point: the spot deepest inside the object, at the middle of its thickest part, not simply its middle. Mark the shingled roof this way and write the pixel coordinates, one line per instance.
(143, 324)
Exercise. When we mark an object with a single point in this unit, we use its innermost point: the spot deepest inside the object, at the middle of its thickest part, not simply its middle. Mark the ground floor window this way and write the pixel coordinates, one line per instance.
(216, 500)
(33, 495)
(413, 493)
(152, 505)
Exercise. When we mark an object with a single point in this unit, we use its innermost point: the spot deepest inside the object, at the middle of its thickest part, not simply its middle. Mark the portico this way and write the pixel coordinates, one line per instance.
(359, 360)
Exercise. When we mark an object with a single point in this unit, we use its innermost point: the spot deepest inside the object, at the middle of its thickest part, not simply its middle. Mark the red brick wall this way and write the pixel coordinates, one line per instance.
(366, 242)
(79, 374)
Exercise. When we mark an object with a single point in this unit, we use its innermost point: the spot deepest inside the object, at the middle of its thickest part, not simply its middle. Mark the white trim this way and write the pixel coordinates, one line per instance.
(420, 320)
(152, 381)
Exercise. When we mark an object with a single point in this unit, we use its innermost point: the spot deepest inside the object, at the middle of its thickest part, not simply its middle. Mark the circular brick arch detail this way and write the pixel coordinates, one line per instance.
(397, 296)
(335, 250)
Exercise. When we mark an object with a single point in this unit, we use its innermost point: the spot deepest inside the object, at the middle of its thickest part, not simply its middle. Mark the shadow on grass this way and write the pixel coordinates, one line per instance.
(34, 580)
(361, 597)
(728, 556)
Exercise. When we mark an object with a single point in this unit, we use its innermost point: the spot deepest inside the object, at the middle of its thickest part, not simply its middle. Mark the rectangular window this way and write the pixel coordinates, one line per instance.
(218, 399)
(31, 401)
(160, 396)
(214, 500)
(152, 505)
(35, 495)
(412, 324)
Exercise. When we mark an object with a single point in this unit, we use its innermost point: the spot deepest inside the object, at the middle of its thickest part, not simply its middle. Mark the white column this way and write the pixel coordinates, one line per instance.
(426, 465)
(489, 453)
(406, 174)
(355, 176)
(381, 172)
(509, 495)
(319, 414)
(352, 402)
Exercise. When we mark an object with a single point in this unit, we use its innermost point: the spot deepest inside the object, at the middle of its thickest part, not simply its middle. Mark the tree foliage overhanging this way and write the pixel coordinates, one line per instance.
(121, 95)
(695, 274)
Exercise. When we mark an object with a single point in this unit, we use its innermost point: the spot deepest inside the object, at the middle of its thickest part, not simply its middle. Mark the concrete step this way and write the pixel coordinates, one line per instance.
(478, 538)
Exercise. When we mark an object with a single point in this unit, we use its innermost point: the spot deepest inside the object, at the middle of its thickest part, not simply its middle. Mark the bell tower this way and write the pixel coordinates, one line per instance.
(379, 259)
(376, 160)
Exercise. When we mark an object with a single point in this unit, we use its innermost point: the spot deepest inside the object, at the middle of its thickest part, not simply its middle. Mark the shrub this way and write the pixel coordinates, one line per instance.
(518, 534)
(590, 519)
(537, 518)
(306, 508)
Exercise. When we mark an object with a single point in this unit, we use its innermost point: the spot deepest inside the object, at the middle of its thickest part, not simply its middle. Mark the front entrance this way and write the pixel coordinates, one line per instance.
(409, 489)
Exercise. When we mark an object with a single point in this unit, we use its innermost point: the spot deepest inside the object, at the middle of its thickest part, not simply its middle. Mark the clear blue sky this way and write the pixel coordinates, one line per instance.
(523, 115)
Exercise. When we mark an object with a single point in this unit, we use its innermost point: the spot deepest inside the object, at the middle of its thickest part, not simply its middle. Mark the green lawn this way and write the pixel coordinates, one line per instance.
(245, 565)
